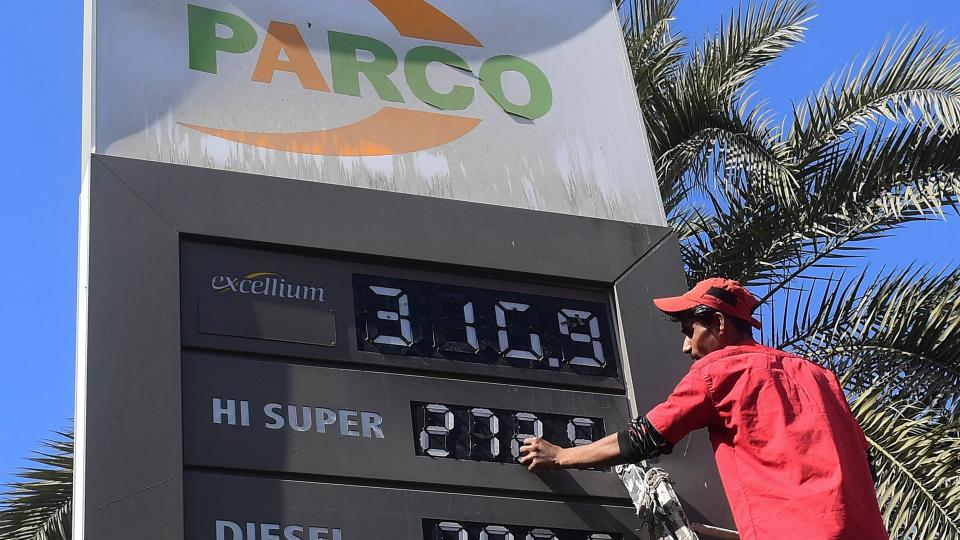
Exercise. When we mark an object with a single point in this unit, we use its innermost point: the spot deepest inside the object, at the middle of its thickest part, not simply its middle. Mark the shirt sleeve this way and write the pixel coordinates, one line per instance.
(689, 407)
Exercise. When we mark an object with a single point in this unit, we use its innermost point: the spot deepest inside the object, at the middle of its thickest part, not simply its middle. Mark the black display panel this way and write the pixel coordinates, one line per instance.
(339, 309)
(269, 416)
(468, 324)
(439, 529)
(232, 505)
(486, 434)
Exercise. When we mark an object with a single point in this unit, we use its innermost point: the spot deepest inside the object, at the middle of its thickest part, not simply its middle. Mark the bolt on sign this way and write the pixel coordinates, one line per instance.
(527, 104)
(269, 351)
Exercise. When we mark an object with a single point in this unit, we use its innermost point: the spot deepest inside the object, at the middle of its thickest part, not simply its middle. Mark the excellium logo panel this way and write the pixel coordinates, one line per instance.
(391, 130)
(266, 284)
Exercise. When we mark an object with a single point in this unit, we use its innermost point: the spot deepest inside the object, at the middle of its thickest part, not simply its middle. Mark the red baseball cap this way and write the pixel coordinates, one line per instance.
(724, 295)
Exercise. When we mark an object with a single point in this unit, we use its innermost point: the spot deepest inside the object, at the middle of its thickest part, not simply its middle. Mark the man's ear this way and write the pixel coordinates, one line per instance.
(719, 322)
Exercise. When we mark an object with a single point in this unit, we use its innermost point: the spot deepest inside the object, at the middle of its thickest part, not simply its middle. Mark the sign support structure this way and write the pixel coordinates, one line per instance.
(337, 262)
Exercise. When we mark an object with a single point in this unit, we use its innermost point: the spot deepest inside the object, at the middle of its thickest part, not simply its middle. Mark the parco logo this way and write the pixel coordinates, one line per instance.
(266, 284)
(391, 130)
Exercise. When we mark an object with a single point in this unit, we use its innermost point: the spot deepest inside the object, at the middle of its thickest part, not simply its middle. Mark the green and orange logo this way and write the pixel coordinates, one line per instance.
(393, 129)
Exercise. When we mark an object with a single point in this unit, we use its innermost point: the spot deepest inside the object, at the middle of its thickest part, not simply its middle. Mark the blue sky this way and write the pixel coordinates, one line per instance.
(41, 177)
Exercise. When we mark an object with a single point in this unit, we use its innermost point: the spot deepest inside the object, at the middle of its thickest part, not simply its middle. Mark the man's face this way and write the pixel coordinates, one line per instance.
(700, 339)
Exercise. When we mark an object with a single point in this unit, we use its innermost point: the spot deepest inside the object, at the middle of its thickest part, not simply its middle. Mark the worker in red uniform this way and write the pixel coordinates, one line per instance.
(792, 458)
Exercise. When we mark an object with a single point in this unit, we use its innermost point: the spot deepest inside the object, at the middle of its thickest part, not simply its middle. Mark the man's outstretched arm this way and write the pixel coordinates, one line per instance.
(538, 454)
(638, 442)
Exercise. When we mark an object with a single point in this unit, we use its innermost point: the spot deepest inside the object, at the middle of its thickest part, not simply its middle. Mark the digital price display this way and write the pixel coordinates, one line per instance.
(484, 434)
(415, 318)
(435, 529)
(347, 310)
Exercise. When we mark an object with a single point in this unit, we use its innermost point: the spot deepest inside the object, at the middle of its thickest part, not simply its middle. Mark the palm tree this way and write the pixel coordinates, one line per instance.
(781, 205)
(38, 505)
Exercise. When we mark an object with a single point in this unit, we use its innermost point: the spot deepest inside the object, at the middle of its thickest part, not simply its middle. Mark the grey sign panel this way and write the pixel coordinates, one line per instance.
(270, 416)
(159, 236)
(263, 300)
(369, 222)
(231, 508)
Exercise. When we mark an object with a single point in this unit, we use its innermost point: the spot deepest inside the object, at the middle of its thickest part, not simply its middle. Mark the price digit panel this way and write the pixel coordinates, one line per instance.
(437, 529)
(416, 318)
(483, 434)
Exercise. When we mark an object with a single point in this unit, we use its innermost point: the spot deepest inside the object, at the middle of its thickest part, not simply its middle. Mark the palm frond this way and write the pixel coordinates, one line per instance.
(917, 456)
(38, 505)
(859, 191)
(753, 36)
(899, 331)
(695, 135)
(678, 208)
(694, 111)
(913, 78)
(655, 51)
(868, 188)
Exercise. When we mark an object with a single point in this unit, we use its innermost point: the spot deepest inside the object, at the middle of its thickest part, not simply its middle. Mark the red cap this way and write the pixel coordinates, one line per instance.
(724, 295)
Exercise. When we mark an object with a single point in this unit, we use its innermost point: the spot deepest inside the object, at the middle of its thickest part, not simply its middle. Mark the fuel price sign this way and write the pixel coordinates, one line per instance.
(339, 259)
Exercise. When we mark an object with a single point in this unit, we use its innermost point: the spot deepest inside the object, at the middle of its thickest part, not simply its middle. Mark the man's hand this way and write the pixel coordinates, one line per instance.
(537, 454)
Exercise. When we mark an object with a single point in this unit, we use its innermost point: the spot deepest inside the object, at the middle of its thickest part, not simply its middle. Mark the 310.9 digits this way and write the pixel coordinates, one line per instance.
(415, 318)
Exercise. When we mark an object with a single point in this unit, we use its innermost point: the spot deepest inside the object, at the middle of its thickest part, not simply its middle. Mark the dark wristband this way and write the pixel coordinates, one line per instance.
(623, 440)
(640, 441)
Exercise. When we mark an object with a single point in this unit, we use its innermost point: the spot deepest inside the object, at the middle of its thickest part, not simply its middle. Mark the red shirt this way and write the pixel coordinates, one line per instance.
(790, 453)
